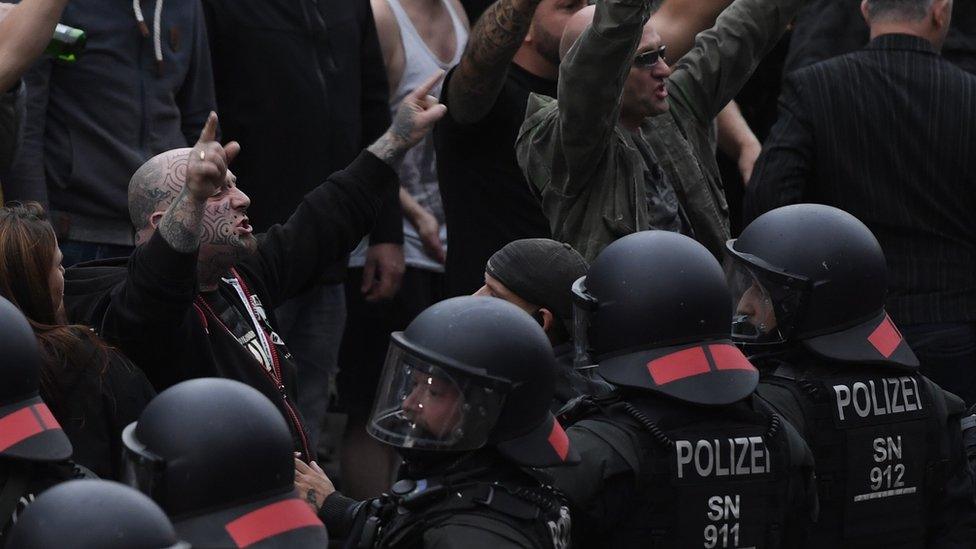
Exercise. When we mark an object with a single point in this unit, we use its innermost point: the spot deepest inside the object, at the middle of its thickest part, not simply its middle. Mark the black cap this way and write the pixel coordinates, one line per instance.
(541, 271)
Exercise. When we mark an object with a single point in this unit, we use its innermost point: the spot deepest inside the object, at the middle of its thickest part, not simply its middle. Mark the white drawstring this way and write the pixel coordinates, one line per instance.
(157, 28)
(157, 41)
(139, 18)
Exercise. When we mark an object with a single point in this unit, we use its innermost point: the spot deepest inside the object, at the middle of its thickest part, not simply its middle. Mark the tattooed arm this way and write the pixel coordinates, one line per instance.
(479, 76)
(414, 118)
(25, 31)
(182, 224)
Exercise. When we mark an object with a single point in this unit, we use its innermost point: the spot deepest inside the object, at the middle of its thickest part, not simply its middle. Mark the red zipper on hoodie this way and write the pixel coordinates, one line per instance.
(275, 375)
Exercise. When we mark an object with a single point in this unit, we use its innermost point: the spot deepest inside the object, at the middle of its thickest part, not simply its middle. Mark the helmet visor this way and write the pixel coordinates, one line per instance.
(140, 469)
(424, 406)
(766, 306)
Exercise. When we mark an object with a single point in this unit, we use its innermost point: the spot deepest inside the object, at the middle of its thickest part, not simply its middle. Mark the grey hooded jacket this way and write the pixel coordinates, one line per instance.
(91, 123)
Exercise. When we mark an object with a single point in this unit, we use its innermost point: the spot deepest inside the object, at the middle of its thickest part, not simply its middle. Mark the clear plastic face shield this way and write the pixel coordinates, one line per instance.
(584, 305)
(766, 304)
(140, 468)
(427, 407)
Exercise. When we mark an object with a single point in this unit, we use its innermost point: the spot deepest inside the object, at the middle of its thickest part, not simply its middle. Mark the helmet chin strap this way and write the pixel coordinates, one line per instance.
(761, 350)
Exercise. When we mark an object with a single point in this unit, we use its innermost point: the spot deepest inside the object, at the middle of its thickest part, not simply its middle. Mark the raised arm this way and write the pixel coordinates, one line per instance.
(333, 218)
(591, 80)
(735, 139)
(679, 22)
(725, 56)
(478, 78)
(25, 30)
(182, 224)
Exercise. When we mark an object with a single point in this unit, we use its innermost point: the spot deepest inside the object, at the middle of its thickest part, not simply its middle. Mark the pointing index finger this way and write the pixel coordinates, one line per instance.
(424, 89)
(209, 131)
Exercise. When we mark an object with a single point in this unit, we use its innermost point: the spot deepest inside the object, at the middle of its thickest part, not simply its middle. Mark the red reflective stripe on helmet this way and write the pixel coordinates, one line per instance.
(679, 365)
(271, 520)
(558, 440)
(47, 418)
(885, 338)
(728, 357)
(19, 426)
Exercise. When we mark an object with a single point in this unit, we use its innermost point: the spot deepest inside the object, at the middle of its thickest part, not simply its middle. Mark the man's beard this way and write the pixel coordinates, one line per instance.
(546, 44)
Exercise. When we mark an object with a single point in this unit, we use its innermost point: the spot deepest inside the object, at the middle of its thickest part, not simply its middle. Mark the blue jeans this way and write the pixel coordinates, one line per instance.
(948, 355)
(311, 325)
(78, 252)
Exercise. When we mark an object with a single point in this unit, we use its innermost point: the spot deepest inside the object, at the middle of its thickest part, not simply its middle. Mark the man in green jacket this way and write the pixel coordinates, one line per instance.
(629, 145)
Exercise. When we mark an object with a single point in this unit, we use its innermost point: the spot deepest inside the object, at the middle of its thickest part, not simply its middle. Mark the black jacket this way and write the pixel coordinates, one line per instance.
(886, 133)
(636, 485)
(147, 307)
(477, 500)
(828, 28)
(302, 86)
(93, 407)
(905, 422)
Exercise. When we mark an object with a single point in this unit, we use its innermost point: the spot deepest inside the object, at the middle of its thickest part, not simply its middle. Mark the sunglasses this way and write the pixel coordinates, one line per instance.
(648, 59)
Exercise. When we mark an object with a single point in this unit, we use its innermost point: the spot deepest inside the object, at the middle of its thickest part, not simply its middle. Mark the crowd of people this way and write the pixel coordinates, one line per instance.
(605, 273)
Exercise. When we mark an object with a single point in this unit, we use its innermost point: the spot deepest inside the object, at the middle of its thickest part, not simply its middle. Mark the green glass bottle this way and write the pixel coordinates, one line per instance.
(67, 43)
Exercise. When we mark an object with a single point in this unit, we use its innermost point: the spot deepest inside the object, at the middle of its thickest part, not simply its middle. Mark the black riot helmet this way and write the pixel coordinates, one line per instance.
(814, 274)
(217, 456)
(93, 514)
(28, 430)
(471, 372)
(653, 313)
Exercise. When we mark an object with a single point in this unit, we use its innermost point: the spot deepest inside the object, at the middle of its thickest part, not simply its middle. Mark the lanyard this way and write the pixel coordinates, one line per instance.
(256, 315)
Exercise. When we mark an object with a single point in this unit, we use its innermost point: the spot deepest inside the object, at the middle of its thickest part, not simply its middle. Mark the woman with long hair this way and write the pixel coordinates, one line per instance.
(91, 388)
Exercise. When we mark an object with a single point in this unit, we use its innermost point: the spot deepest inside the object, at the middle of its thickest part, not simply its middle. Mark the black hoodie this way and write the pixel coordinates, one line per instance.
(150, 307)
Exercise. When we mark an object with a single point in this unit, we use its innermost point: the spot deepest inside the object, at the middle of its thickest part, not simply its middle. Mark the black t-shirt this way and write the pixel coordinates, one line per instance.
(487, 201)
(663, 208)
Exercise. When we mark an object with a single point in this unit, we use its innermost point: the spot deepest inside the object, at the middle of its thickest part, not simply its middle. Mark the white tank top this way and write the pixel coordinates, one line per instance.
(418, 171)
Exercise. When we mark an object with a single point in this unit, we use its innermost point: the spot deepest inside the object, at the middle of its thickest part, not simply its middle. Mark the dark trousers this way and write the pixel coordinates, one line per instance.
(367, 335)
(947, 353)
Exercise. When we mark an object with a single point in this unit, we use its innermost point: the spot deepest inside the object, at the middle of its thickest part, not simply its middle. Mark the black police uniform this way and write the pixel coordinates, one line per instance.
(890, 464)
(683, 454)
(482, 502)
(22, 481)
(643, 482)
(473, 486)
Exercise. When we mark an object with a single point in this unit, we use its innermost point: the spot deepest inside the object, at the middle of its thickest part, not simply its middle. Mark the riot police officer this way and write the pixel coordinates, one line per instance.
(216, 455)
(464, 397)
(682, 454)
(809, 284)
(94, 514)
(34, 451)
